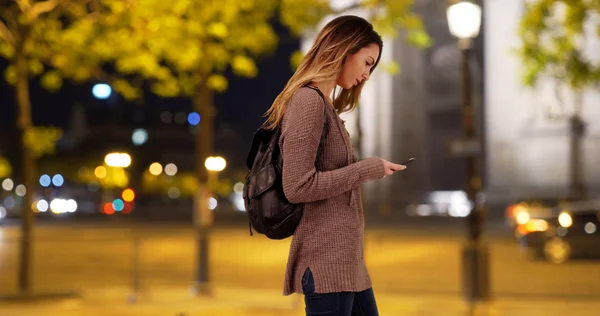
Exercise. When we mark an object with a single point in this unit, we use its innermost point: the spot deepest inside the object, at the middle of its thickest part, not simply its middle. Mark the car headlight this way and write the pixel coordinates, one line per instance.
(565, 220)
(537, 225)
(522, 217)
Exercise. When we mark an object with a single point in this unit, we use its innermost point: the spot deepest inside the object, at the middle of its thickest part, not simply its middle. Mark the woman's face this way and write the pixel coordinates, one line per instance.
(357, 67)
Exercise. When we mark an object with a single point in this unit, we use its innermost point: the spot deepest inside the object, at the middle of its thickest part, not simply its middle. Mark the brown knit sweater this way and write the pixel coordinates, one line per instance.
(330, 237)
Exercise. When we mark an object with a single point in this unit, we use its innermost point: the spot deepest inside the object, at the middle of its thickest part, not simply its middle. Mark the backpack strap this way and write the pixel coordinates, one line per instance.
(324, 131)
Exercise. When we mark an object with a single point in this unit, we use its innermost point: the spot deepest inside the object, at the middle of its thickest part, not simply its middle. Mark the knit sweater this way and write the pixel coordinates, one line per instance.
(330, 236)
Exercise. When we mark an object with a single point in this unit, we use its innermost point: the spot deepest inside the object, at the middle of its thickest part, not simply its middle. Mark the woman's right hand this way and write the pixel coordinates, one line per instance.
(390, 168)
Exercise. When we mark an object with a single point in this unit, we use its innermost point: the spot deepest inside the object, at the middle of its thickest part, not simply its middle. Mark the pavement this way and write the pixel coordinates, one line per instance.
(414, 273)
(242, 302)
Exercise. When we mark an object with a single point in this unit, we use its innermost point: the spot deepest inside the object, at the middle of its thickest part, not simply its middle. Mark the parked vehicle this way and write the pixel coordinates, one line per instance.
(565, 232)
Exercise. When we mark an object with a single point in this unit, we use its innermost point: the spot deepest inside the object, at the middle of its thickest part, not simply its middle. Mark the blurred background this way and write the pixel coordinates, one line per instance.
(125, 127)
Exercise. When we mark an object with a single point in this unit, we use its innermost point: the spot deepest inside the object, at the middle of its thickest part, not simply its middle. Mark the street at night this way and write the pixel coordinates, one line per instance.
(98, 260)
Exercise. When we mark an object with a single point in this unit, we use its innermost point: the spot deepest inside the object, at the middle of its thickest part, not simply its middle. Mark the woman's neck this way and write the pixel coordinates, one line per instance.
(326, 88)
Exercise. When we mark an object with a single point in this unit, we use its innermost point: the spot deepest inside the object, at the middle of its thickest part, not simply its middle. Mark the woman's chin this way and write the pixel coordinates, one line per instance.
(347, 86)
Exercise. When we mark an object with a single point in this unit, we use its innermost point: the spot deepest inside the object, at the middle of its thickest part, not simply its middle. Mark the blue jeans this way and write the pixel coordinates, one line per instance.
(337, 304)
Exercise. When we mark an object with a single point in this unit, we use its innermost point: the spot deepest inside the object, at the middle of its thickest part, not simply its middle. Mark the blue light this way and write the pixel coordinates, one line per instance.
(194, 118)
(58, 180)
(101, 91)
(45, 180)
(118, 205)
(139, 136)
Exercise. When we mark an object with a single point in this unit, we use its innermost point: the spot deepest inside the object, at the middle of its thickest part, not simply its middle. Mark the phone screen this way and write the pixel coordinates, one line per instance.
(408, 161)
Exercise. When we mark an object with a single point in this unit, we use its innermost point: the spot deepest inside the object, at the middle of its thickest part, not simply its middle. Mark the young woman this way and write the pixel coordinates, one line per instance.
(326, 259)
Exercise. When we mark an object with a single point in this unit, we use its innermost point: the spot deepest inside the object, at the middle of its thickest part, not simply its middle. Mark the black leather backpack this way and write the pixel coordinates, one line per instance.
(269, 211)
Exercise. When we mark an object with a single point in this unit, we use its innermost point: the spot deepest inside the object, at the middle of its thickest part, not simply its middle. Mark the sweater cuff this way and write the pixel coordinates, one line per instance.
(370, 169)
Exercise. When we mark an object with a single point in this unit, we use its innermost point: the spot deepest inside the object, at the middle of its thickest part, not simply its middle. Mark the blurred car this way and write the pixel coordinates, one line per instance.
(566, 232)
(441, 203)
(519, 213)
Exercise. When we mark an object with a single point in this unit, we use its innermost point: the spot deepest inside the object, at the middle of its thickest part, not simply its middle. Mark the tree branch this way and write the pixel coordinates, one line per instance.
(24, 5)
(40, 8)
(6, 35)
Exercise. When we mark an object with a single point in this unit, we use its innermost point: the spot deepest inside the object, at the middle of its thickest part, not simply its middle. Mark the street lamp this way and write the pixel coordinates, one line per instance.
(118, 160)
(464, 22)
(203, 219)
(215, 164)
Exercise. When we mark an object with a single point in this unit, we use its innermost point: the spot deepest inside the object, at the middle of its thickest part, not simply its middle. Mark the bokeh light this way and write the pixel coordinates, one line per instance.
(100, 172)
(62, 206)
(45, 180)
(170, 169)
(57, 206)
(108, 209)
(174, 192)
(238, 187)
(128, 195)
(58, 180)
(155, 169)
(120, 160)
(8, 184)
(215, 163)
(71, 206)
(212, 203)
(42, 205)
(139, 136)
(20, 190)
(101, 91)
(118, 205)
(128, 208)
(194, 118)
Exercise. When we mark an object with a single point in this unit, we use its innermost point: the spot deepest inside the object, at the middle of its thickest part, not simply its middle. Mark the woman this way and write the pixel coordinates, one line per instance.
(326, 259)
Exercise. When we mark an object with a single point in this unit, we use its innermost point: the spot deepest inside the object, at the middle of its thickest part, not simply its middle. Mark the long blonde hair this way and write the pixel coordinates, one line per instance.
(324, 62)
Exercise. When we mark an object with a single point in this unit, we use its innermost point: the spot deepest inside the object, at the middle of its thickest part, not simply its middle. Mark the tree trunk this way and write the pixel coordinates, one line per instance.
(203, 217)
(28, 170)
(577, 126)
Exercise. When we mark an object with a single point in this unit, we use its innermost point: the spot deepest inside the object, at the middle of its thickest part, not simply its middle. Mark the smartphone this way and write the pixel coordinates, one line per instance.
(408, 161)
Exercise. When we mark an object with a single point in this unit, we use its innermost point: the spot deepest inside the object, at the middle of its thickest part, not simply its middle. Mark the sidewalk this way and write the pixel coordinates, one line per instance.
(244, 302)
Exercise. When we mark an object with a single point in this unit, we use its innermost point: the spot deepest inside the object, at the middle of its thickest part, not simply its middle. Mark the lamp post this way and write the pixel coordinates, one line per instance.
(464, 21)
(204, 220)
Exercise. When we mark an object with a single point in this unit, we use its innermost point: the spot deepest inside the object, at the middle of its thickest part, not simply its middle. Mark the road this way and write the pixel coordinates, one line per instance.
(407, 260)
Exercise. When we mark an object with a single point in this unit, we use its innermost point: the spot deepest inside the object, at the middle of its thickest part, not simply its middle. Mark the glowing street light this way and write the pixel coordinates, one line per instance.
(464, 19)
(121, 160)
(215, 164)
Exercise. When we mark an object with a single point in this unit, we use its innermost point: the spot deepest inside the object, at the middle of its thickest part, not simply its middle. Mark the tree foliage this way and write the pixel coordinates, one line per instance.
(553, 35)
(170, 45)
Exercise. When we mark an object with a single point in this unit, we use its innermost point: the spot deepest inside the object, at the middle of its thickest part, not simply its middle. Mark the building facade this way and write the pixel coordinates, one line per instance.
(527, 131)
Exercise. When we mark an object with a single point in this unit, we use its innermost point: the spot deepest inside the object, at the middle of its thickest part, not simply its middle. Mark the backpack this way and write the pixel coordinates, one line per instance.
(269, 211)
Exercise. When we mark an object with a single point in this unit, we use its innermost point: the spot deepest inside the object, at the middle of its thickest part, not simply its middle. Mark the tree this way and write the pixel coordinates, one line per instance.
(26, 29)
(553, 34)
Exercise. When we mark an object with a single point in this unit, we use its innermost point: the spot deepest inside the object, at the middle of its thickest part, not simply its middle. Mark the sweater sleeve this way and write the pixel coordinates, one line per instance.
(301, 135)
